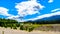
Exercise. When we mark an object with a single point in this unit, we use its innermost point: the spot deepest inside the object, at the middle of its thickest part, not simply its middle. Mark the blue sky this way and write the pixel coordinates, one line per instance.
(29, 9)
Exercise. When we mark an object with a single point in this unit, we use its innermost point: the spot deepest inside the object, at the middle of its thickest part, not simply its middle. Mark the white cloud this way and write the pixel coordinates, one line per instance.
(4, 11)
(38, 17)
(45, 16)
(32, 7)
(18, 18)
(12, 17)
(32, 0)
(25, 8)
(29, 7)
(55, 10)
(50, 1)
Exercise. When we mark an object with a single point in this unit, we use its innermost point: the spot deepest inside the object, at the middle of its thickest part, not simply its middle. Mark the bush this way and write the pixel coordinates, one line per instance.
(14, 27)
(31, 28)
(21, 27)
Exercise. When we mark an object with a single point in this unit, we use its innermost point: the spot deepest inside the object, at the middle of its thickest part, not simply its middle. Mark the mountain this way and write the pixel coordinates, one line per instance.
(55, 18)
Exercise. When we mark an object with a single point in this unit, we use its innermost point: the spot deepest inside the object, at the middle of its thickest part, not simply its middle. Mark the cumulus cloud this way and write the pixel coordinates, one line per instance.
(29, 7)
(50, 1)
(36, 18)
(4, 11)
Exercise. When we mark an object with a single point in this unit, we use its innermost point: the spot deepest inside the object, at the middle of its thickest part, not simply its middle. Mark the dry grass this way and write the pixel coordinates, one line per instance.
(14, 31)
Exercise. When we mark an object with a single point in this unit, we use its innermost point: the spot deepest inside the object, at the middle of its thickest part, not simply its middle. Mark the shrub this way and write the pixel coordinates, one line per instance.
(21, 27)
(14, 27)
(31, 28)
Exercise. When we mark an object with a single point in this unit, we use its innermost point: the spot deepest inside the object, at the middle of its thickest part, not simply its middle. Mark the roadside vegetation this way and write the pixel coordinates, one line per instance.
(28, 26)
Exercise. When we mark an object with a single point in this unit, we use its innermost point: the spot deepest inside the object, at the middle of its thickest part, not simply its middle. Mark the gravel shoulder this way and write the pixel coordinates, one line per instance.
(11, 31)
